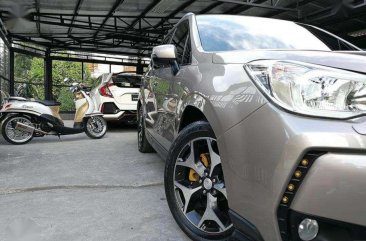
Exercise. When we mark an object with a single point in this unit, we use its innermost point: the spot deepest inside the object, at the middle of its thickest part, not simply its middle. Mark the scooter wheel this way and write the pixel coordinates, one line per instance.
(13, 136)
(96, 127)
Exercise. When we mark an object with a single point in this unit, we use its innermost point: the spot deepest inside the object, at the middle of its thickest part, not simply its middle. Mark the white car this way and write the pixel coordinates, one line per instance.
(116, 96)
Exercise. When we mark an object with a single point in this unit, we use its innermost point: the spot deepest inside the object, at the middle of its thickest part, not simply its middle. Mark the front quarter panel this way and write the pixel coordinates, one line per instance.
(224, 94)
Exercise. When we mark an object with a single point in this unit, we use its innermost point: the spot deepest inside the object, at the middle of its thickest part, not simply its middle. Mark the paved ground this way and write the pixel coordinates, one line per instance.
(81, 189)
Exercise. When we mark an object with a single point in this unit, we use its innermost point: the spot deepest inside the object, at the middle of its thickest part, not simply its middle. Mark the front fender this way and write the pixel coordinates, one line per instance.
(198, 101)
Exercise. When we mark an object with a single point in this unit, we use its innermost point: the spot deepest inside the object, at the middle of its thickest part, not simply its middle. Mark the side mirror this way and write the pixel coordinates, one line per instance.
(66, 80)
(163, 55)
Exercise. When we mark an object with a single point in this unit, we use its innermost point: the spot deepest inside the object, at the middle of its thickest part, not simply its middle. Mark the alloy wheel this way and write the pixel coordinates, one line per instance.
(199, 184)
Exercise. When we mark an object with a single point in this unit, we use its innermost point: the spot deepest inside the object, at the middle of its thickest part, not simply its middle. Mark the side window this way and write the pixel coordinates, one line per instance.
(167, 38)
(180, 40)
(187, 52)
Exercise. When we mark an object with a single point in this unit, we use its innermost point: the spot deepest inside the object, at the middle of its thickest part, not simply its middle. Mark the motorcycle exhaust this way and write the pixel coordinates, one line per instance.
(26, 128)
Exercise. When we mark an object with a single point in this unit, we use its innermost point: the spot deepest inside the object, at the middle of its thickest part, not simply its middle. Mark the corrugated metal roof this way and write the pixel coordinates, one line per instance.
(134, 26)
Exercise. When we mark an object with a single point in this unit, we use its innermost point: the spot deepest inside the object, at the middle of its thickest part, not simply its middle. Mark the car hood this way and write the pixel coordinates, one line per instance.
(353, 60)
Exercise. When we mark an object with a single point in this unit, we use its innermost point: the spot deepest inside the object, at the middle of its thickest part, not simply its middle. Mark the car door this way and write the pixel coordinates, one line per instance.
(162, 119)
(182, 41)
(156, 85)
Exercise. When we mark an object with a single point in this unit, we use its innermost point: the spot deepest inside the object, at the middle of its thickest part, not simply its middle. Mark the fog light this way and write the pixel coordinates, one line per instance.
(308, 229)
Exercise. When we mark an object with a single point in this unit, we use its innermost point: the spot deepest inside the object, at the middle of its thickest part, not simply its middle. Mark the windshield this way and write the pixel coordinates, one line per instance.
(225, 33)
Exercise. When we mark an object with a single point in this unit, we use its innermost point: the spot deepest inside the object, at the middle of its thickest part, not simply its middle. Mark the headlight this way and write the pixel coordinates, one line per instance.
(311, 89)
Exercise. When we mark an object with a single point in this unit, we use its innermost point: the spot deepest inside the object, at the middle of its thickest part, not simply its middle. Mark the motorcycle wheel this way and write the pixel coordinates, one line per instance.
(96, 127)
(13, 136)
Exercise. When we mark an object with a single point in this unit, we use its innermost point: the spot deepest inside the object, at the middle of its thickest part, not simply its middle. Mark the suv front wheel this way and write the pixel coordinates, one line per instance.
(195, 186)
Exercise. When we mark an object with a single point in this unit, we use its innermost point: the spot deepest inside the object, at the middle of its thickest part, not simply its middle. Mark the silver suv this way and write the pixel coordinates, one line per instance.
(262, 125)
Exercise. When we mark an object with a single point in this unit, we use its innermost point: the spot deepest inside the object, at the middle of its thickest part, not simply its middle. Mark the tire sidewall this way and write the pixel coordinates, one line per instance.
(142, 143)
(3, 131)
(140, 128)
(90, 134)
(192, 131)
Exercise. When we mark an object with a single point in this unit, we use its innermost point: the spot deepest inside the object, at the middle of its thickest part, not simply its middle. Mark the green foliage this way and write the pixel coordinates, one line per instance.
(27, 70)
(30, 70)
(22, 65)
(37, 71)
(66, 98)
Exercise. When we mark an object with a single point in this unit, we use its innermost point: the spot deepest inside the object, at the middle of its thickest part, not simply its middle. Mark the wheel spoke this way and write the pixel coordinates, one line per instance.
(191, 163)
(214, 157)
(220, 187)
(210, 214)
(187, 193)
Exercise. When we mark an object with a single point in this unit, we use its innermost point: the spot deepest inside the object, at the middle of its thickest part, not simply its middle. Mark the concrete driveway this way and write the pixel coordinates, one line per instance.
(81, 189)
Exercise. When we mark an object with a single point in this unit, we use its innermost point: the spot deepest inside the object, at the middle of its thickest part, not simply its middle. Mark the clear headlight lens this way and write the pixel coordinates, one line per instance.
(311, 89)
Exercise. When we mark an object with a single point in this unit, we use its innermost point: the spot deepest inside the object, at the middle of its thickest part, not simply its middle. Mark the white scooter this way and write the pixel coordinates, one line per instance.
(22, 119)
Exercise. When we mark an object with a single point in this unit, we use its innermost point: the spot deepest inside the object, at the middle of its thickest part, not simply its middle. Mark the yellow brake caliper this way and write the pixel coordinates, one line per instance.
(193, 175)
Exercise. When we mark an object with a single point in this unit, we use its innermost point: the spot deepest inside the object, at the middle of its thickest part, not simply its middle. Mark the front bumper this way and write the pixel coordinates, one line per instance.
(261, 154)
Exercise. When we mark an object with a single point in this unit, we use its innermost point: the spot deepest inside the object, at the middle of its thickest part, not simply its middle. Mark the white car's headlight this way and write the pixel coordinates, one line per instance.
(311, 89)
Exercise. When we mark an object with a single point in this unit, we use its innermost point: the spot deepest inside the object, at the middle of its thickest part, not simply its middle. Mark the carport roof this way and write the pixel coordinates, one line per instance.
(132, 27)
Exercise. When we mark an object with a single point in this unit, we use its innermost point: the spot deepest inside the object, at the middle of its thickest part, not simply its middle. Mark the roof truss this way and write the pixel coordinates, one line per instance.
(135, 34)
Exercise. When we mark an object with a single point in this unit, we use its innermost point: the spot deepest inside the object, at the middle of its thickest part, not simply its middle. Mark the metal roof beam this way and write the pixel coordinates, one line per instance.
(73, 59)
(296, 4)
(108, 28)
(146, 10)
(97, 50)
(238, 9)
(86, 25)
(258, 5)
(54, 43)
(43, 14)
(76, 11)
(110, 14)
(319, 15)
(210, 7)
(175, 12)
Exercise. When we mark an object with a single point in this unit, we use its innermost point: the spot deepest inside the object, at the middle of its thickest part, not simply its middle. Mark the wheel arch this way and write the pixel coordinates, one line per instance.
(190, 114)
(197, 108)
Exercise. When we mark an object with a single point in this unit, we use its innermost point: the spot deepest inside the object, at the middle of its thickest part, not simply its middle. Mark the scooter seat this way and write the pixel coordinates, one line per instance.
(49, 102)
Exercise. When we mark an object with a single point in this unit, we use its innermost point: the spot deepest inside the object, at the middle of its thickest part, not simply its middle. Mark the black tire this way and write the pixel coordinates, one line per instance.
(3, 130)
(143, 144)
(191, 134)
(101, 129)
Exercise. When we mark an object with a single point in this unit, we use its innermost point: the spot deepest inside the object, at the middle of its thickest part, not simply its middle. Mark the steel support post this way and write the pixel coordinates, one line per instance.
(11, 70)
(48, 76)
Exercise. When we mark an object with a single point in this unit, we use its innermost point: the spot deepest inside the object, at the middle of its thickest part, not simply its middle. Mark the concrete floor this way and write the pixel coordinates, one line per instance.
(82, 189)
